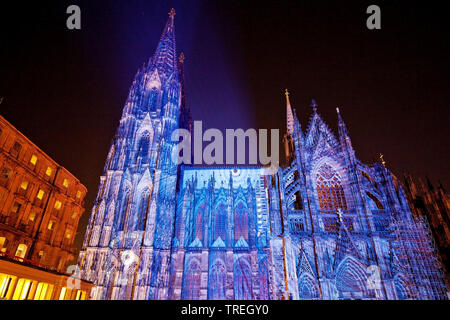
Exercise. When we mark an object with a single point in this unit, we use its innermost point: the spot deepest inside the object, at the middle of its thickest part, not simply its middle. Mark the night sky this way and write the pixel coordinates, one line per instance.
(65, 89)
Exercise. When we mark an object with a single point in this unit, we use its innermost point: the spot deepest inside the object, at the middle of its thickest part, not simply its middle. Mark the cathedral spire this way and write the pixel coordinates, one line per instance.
(382, 160)
(165, 58)
(289, 115)
(314, 106)
(343, 131)
(341, 124)
(344, 135)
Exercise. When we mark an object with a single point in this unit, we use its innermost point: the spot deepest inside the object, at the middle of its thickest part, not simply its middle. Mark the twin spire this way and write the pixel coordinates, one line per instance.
(165, 58)
(172, 13)
(290, 115)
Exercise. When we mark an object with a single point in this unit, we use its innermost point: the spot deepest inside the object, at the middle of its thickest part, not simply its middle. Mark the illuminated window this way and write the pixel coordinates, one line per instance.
(23, 289)
(60, 263)
(41, 255)
(51, 225)
(240, 222)
(41, 291)
(62, 295)
(32, 216)
(329, 189)
(48, 172)
(199, 222)
(220, 222)
(16, 207)
(68, 234)
(5, 285)
(40, 194)
(24, 184)
(58, 205)
(2, 243)
(80, 295)
(74, 215)
(78, 194)
(21, 250)
(65, 183)
(33, 160)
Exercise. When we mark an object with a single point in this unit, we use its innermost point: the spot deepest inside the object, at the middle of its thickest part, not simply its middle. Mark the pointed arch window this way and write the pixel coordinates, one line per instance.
(263, 280)
(330, 191)
(220, 222)
(241, 222)
(143, 206)
(153, 99)
(242, 280)
(192, 281)
(143, 148)
(217, 280)
(198, 221)
(124, 210)
(298, 204)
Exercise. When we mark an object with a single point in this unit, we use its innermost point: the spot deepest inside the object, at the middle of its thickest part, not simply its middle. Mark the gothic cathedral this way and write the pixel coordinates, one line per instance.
(326, 226)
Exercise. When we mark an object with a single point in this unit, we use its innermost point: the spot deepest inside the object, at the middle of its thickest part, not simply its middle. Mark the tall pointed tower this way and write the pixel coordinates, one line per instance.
(127, 244)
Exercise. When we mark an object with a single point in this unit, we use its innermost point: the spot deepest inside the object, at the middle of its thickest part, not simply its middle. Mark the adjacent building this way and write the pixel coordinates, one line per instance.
(432, 203)
(40, 207)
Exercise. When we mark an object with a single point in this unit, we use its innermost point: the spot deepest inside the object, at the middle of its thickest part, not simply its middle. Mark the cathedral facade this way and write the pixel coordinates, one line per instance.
(325, 226)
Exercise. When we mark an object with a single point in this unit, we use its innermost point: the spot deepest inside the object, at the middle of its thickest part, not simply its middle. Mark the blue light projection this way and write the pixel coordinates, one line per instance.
(325, 227)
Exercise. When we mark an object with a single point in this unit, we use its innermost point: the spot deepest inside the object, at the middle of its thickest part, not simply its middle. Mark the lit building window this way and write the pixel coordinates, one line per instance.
(48, 172)
(51, 225)
(41, 256)
(2, 243)
(40, 194)
(21, 250)
(62, 295)
(22, 290)
(80, 295)
(24, 184)
(78, 194)
(5, 285)
(41, 291)
(65, 183)
(68, 234)
(329, 189)
(58, 205)
(33, 160)
(32, 216)
(74, 215)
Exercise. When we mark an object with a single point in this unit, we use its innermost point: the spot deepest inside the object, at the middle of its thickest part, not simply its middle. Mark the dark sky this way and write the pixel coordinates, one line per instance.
(65, 89)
